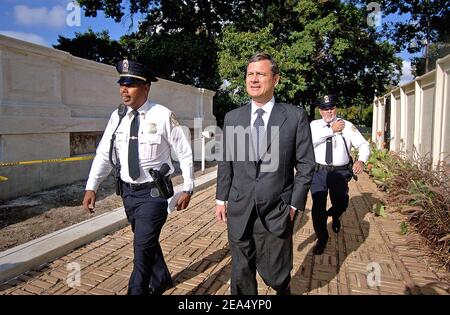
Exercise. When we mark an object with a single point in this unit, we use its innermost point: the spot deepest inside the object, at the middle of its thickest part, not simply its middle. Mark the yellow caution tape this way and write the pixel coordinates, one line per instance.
(71, 159)
(3, 179)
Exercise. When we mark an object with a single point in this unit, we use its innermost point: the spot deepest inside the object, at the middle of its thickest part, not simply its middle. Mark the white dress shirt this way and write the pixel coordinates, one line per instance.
(267, 111)
(320, 132)
(158, 132)
(265, 117)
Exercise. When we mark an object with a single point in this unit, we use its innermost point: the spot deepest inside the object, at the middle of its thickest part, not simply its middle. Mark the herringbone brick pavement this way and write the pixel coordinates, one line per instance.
(197, 254)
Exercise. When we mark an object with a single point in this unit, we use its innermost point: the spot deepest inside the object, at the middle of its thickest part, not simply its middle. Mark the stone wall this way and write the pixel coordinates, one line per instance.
(54, 105)
(413, 118)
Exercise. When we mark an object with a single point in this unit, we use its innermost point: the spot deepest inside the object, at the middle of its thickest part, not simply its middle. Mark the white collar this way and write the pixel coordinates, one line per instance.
(325, 124)
(266, 107)
(142, 110)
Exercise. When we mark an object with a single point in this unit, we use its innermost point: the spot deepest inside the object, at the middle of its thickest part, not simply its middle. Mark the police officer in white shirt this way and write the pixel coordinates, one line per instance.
(333, 139)
(144, 134)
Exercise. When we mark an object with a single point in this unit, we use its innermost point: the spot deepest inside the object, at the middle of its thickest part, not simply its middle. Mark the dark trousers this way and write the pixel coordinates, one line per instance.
(336, 182)
(147, 216)
(259, 250)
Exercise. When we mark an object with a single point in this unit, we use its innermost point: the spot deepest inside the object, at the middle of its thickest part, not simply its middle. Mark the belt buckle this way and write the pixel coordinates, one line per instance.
(327, 168)
(134, 187)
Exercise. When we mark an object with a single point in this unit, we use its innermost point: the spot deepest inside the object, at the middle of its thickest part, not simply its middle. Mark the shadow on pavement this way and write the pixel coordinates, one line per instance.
(432, 288)
(317, 271)
(200, 266)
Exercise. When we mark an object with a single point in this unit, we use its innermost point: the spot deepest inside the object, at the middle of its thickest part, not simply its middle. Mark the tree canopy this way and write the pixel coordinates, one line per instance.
(93, 46)
(428, 19)
(329, 48)
(425, 22)
(322, 46)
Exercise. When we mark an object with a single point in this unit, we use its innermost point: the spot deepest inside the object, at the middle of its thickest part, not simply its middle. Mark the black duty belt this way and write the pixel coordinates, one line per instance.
(330, 168)
(136, 187)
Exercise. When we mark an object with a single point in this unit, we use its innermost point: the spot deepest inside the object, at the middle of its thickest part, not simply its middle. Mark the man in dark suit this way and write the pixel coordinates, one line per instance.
(258, 192)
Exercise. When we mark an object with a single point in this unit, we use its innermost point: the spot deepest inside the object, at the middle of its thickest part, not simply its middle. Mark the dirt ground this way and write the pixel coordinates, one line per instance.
(29, 217)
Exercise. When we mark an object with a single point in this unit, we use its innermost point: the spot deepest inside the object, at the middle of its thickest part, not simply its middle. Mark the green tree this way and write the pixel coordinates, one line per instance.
(93, 46)
(322, 46)
(427, 22)
(436, 51)
(328, 49)
(184, 57)
(176, 37)
(235, 49)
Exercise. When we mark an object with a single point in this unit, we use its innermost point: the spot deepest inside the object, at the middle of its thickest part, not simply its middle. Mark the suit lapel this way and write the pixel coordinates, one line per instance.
(244, 121)
(276, 119)
(245, 118)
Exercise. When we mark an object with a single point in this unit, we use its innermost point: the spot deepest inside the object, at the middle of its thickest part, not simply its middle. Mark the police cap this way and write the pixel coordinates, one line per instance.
(133, 72)
(327, 101)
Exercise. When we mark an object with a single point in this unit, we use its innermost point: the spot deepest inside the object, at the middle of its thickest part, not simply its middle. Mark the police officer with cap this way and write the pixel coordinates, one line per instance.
(333, 139)
(143, 133)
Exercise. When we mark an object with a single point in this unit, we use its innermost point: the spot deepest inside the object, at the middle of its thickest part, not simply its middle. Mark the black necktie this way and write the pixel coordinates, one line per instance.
(133, 152)
(259, 122)
(329, 150)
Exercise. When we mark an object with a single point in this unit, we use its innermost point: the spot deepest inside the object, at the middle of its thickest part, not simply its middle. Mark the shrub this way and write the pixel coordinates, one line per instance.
(419, 191)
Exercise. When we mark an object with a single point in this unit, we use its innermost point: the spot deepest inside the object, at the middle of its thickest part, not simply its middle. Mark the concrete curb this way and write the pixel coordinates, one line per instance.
(19, 259)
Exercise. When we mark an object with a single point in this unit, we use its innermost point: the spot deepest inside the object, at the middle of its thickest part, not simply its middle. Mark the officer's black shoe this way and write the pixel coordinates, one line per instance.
(336, 225)
(285, 291)
(161, 290)
(320, 247)
(330, 212)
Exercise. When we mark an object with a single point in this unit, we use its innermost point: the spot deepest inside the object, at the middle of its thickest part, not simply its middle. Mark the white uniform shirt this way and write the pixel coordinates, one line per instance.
(158, 132)
(320, 132)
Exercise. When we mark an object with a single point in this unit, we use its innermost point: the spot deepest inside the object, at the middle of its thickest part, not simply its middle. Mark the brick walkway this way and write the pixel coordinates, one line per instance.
(198, 256)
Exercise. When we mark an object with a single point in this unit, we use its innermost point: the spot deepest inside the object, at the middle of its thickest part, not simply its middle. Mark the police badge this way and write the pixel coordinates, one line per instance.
(152, 128)
(125, 66)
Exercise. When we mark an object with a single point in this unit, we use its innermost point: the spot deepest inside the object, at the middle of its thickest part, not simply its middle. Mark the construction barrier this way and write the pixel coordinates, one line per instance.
(60, 160)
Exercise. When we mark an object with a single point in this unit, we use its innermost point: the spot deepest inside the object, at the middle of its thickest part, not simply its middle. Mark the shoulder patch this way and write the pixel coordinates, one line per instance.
(174, 120)
(354, 128)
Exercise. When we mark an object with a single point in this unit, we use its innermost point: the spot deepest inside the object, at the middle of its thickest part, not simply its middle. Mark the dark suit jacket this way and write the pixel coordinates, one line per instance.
(244, 185)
